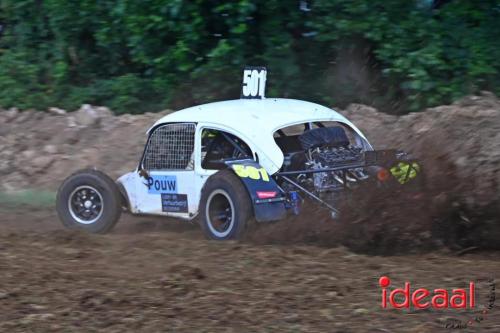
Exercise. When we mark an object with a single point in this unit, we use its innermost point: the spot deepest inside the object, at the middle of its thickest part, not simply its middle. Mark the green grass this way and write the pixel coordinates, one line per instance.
(31, 198)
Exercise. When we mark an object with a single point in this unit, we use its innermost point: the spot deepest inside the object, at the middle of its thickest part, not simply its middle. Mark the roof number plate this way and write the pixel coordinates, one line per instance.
(254, 82)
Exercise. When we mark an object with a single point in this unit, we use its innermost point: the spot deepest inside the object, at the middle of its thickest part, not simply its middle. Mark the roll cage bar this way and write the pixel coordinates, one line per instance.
(381, 158)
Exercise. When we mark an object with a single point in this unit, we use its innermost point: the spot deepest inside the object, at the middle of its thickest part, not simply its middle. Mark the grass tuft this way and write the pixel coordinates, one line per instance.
(31, 198)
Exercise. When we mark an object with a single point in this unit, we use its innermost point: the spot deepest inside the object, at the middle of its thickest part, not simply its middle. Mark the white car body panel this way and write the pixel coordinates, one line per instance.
(189, 182)
(256, 120)
(252, 120)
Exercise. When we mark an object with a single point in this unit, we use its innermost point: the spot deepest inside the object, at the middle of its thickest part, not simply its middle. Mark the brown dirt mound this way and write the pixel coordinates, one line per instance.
(312, 226)
(411, 218)
(389, 223)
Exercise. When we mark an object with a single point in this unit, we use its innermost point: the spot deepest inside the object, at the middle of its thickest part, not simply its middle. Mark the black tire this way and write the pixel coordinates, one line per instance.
(89, 200)
(224, 189)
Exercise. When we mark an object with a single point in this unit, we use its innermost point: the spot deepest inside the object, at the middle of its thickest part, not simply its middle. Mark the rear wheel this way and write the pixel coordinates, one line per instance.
(89, 200)
(225, 207)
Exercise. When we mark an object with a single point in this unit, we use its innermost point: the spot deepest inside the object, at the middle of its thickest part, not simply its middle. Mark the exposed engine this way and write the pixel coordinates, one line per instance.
(329, 165)
(329, 148)
(326, 157)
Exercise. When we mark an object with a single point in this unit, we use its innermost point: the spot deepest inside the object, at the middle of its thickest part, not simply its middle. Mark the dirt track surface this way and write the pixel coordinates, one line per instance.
(153, 275)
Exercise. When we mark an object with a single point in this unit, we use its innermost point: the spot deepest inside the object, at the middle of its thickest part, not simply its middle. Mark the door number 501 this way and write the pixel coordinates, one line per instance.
(251, 172)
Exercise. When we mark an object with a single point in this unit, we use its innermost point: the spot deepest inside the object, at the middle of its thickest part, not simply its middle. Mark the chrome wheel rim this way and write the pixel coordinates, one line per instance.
(220, 213)
(85, 204)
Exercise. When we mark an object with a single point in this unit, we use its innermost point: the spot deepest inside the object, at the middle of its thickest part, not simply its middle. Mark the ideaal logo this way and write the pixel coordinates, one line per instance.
(161, 184)
(423, 298)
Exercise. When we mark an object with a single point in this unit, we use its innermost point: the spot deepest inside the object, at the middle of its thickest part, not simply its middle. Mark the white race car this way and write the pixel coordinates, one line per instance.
(228, 162)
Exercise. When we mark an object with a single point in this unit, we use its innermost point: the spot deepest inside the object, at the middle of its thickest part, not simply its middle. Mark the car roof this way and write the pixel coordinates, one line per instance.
(256, 120)
(272, 113)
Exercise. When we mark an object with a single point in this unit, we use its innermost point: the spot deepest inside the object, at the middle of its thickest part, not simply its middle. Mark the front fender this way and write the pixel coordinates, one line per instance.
(256, 179)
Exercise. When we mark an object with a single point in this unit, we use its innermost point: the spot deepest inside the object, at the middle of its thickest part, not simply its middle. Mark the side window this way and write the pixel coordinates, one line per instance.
(170, 147)
(348, 131)
(219, 146)
(288, 138)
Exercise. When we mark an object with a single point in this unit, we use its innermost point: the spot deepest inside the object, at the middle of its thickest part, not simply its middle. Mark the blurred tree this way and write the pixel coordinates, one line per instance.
(143, 55)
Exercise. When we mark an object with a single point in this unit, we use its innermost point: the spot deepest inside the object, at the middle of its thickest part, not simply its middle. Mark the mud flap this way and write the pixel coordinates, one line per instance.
(267, 199)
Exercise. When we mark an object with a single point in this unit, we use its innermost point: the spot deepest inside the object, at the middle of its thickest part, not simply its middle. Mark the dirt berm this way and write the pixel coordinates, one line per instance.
(458, 146)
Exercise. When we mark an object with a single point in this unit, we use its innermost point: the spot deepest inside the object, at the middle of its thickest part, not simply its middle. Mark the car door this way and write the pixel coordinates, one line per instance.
(165, 183)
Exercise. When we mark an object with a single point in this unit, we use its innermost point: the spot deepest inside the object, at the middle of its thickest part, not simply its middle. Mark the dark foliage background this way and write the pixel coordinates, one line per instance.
(145, 55)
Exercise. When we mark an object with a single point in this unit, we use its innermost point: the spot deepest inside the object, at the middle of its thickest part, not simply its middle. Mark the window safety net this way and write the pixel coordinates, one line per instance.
(170, 147)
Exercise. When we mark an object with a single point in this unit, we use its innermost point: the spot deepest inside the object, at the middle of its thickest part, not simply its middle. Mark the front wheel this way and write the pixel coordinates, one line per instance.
(89, 200)
(225, 207)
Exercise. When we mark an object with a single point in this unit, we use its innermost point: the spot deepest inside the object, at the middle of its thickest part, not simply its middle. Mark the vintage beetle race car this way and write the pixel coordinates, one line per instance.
(228, 162)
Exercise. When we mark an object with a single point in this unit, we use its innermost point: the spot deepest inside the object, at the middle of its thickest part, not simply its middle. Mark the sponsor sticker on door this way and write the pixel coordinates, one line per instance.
(162, 184)
(174, 203)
